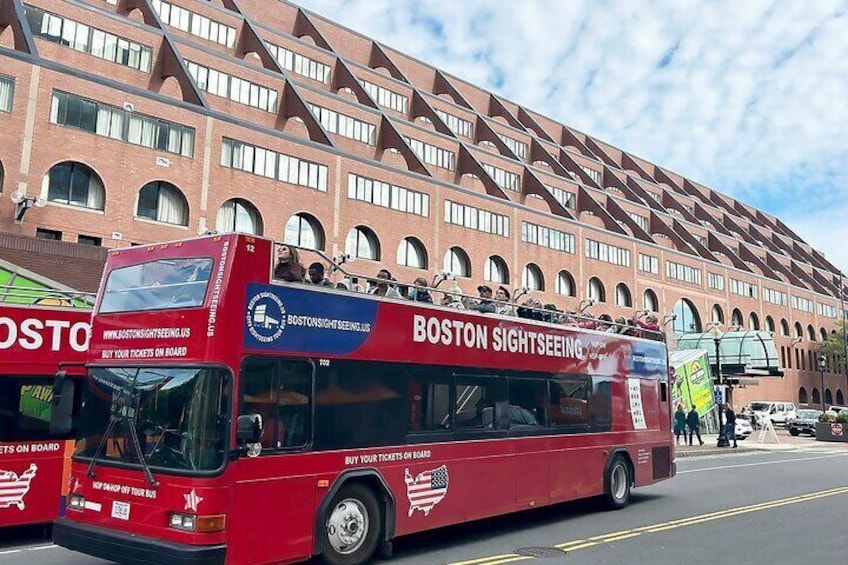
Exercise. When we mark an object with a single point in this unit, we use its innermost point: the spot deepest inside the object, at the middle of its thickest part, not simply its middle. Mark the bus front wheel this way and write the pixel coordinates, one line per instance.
(352, 529)
(617, 483)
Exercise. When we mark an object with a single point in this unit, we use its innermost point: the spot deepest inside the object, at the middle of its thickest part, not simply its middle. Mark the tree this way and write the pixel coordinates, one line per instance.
(834, 347)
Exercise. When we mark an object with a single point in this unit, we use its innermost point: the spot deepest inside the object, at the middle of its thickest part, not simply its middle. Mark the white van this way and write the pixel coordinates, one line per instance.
(779, 411)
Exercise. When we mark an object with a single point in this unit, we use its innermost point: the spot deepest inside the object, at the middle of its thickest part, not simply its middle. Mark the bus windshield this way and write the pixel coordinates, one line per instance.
(156, 285)
(177, 415)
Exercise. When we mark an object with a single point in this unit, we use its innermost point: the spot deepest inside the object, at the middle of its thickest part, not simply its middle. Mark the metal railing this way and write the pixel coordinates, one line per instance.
(35, 296)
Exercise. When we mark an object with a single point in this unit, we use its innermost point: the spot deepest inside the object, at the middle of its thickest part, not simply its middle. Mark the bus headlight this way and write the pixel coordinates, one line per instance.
(76, 502)
(181, 521)
(193, 523)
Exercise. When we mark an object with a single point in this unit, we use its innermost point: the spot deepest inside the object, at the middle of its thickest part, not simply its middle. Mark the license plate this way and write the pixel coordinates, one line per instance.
(121, 510)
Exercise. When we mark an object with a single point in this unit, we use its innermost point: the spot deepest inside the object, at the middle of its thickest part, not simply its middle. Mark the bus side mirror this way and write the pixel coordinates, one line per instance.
(502, 417)
(249, 429)
(62, 410)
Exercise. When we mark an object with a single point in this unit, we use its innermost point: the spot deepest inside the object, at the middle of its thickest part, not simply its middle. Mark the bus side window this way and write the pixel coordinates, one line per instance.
(429, 406)
(527, 401)
(569, 408)
(476, 401)
(279, 391)
(26, 404)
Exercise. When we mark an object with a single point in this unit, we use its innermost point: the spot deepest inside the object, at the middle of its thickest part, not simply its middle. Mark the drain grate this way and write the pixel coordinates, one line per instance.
(540, 552)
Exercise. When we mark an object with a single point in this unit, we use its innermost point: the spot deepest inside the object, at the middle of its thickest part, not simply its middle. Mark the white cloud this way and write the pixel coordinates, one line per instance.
(750, 99)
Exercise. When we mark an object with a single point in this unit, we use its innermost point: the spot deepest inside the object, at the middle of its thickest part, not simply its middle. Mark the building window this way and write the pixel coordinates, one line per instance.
(496, 270)
(432, 155)
(532, 277)
(567, 199)
(388, 195)
(736, 318)
(109, 121)
(640, 221)
(517, 147)
(89, 240)
(362, 242)
(607, 253)
(195, 24)
(300, 64)
(89, 40)
(622, 296)
(304, 230)
(776, 297)
(649, 264)
(43, 233)
(717, 314)
(565, 284)
(239, 215)
(455, 124)
(343, 125)
(743, 288)
(753, 321)
(476, 219)
(457, 263)
(2, 176)
(270, 164)
(233, 88)
(826, 310)
(385, 97)
(7, 92)
(770, 324)
(715, 281)
(411, 253)
(74, 184)
(802, 304)
(799, 332)
(683, 273)
(784, 327)
(504, 179)
(163, 202)
(547, 237)
(686, 319)
(649, 301)
(596, 290)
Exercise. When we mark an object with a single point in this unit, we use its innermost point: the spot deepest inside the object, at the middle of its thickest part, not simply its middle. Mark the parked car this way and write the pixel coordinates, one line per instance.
(804, 422)
(778, 411)
(743, 427)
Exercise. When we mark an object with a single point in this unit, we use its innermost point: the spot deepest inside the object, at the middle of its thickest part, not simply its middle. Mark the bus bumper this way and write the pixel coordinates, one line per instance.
(129, 549)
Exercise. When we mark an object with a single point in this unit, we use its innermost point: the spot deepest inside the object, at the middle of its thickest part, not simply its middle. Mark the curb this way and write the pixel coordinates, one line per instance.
(714, 451)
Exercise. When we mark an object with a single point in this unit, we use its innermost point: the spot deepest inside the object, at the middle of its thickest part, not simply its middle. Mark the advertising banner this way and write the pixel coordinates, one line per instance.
(692, 381)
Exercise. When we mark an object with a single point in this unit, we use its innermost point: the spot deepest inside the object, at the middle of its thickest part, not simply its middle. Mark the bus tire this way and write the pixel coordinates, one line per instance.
(617, 481)
(351, 531)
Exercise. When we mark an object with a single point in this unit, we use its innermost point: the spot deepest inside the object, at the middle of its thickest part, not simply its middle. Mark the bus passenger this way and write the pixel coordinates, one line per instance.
(419, 292)
(485, 305)
(288, 265)
(316, 275)
(504, 308)
(383, 288)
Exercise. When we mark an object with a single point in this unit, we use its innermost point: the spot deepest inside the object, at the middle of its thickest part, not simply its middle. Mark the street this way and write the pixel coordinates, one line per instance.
(755, 507)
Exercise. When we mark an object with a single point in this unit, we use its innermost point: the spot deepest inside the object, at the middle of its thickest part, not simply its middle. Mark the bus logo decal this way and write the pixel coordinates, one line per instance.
(426, 490)
(14, 487)
(266, 317)
(192, 501)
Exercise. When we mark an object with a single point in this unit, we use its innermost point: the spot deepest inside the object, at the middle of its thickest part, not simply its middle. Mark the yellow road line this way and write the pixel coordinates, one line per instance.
(489, 560)
(509, 560)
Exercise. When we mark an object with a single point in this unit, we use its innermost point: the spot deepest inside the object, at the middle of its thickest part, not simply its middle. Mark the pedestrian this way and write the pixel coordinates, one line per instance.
(679, 424)
(730, 427)
(693, 421)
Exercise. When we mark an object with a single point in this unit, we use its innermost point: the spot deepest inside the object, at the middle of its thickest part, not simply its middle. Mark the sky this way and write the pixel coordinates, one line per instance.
(749, 98)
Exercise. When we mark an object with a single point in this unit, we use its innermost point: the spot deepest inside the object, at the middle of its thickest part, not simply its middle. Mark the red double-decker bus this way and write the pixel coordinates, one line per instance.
(35, 341)
(229, 418)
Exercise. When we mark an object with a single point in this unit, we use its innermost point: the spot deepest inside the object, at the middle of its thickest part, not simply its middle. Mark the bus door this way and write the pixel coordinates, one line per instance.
(272, 496)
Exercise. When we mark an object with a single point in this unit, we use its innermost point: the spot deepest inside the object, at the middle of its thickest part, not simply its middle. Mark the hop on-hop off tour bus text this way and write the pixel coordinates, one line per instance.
(230, 418)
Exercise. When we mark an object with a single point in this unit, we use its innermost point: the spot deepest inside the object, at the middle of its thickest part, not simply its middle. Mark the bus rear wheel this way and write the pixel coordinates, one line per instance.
(617, 484)
(352, 529)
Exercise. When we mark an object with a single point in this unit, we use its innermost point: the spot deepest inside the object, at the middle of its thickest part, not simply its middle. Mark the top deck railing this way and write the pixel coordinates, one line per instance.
(454, 297)
(35, 296)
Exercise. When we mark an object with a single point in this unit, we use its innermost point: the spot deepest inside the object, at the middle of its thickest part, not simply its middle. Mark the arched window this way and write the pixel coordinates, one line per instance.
(840, 398)
(784, 327)
(496, 270)
(770, 324)
(823, 334)
(736, 318)
(411, 253)
(75, 184)
(532, 277)
(811, 333)
(239, 215)
(596, 290)
(828, 397)
(362, 242)
(163, 202)
(802, 396)
(717, 314)
(816, 396)
(686, 317)
(457, 263)
(799, 332)
(650, 302)
(2, 176)
(304, 230)
(753, 321)
(622, 296)
(565, 284)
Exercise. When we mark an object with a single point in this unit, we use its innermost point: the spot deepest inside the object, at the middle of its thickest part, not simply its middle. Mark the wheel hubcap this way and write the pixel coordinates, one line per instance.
(347, 526)
(618, 485)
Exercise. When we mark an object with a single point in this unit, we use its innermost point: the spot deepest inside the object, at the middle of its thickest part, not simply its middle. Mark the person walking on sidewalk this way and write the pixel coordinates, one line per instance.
(679, 424)
(730, 427)
(694, 423)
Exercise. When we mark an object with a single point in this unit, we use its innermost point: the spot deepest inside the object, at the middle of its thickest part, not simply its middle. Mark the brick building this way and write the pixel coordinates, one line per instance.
(135, 121)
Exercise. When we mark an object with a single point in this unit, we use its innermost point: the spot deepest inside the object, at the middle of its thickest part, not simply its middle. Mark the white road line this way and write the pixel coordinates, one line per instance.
(27, 549)
(761, 463)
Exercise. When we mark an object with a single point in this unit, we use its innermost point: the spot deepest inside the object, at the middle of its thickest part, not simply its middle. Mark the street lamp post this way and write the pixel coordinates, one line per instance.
(822, 367)
(717, 334)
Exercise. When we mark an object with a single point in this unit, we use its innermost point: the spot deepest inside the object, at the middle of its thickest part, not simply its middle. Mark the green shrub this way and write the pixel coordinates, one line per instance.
(843, 417)
(827, 417)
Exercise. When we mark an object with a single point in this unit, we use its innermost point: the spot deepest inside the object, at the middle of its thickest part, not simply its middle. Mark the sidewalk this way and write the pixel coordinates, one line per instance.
(787, 443)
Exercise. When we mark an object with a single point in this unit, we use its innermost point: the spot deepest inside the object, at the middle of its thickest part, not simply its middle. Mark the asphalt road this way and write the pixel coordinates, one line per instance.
(765, 507)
